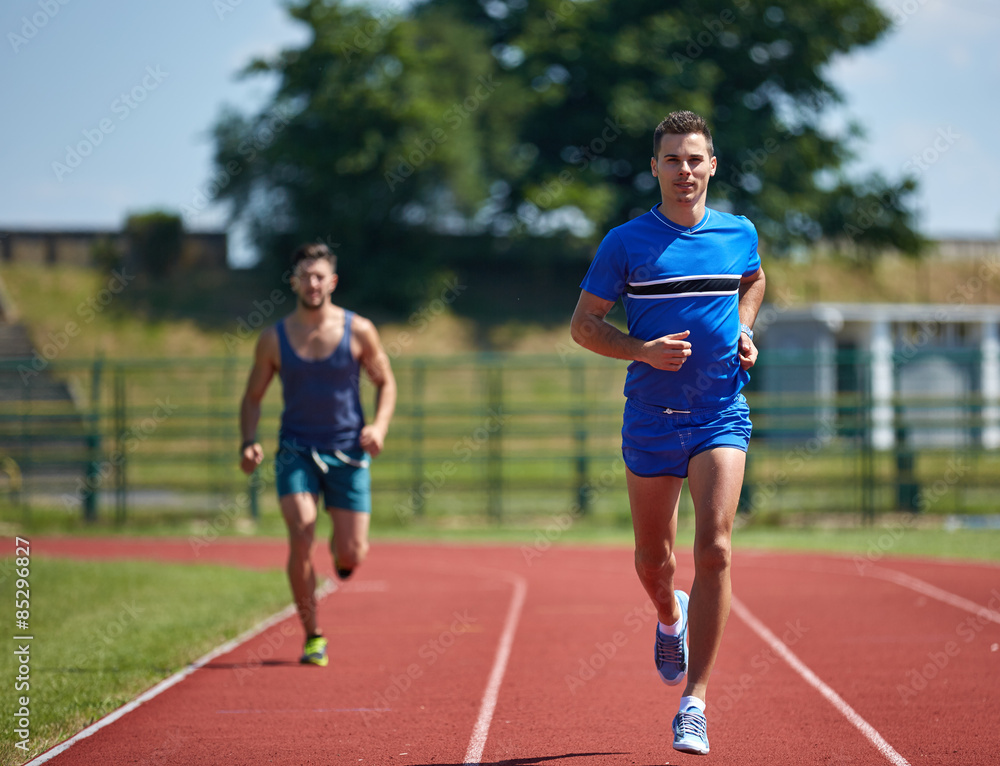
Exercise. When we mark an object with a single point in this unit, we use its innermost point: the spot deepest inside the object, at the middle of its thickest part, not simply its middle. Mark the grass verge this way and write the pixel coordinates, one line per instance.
(875, 543)
(879, 542)
(890, 534)
(106, 631)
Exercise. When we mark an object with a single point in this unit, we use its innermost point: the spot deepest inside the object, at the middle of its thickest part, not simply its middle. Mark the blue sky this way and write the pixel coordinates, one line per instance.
(144, 82)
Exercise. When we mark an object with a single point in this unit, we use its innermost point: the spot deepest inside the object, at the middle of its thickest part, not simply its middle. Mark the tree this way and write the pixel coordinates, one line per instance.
(603, 73)
(392, 132)
(105, 255)
(155, 242)
(372, 144)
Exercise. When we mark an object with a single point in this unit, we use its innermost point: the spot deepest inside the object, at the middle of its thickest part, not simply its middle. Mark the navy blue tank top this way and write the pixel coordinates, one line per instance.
(322, 404)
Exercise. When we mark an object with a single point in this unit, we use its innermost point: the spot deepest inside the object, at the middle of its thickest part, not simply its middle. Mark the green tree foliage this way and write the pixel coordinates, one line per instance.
(602, 73)
(105, 255)
(155, 242)
(373, 144)
(507, 119)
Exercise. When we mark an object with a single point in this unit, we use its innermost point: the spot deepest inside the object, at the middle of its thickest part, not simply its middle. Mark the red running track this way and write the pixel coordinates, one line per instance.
(826, 660)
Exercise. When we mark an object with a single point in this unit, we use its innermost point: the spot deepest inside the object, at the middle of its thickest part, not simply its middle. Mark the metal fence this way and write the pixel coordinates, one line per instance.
(504, 438)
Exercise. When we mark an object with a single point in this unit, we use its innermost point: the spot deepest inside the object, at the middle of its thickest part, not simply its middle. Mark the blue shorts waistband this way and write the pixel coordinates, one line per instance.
(655, 409)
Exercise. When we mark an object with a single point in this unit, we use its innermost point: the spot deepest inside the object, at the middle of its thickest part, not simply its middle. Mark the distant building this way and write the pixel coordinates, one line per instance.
(201, 250)
(928, 374)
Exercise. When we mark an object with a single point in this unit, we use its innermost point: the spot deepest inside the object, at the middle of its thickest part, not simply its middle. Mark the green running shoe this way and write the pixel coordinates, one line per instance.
(314, 652)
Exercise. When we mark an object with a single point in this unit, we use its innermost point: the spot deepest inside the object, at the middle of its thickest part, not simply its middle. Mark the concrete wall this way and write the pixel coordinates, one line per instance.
(967, 249)
(201, 250)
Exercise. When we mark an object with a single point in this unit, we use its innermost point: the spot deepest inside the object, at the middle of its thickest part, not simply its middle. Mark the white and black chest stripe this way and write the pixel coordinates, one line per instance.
(700, 285)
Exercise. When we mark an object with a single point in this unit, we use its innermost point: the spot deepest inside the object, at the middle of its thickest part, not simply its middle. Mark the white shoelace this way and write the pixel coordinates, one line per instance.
(669, 648)
(692, 721)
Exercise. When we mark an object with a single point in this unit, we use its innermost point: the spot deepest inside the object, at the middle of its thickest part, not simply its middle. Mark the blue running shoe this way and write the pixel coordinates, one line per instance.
(691, 732)
(671, 652)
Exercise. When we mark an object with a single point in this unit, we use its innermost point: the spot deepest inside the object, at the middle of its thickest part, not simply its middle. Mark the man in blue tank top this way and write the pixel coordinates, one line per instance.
(319, 351)
(691, 282)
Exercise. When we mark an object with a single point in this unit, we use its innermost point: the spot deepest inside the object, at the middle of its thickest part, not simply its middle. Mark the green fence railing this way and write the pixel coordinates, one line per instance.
(490, 436)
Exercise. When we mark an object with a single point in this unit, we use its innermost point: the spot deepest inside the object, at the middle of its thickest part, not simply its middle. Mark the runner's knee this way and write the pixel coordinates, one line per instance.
(300, 539)
(653, 562)
(351, 553)
(713, 556)
(361, 551)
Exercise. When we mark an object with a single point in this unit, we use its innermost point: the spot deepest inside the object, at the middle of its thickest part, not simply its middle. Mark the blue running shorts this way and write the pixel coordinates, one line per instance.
(344, 485)
(659, 442)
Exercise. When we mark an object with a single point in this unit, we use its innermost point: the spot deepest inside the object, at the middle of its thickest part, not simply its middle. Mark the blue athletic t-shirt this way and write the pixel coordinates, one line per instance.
(322, 405)
(672, 279)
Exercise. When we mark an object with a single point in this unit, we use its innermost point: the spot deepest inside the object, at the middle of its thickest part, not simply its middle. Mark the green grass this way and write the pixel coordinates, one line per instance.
(876, 543)
(197, 318)
(50, 301)
(145, 523)
(879, 543)
(106, 631)
(890, 534)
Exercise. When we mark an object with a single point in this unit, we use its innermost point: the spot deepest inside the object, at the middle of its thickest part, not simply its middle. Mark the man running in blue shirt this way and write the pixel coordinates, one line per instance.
(691, 282)
(319, 351)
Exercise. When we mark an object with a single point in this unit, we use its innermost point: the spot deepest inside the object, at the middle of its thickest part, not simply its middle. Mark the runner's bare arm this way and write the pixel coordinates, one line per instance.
(591, 331)
(376, 364)
(267, 359)
(751, 297)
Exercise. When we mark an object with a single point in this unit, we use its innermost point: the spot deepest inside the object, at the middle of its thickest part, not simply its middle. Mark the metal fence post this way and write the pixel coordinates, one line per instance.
(121, 475)
(907, 487)
(867, 453)
(417, 372)
(744, 505)
(227, 429)
(494, 446)
(93, 441)
(253, 489)
(578, 385)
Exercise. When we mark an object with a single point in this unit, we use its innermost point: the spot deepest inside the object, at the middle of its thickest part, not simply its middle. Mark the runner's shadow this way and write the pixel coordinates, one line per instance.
(529, 761)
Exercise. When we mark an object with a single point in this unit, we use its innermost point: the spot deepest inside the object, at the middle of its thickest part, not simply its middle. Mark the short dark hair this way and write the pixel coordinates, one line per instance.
(680, 124)
(311, 251)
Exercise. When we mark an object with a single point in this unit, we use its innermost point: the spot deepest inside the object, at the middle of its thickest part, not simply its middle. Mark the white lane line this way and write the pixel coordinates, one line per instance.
(328, 587)
(482, 728)
(932, 591)
(814, 681)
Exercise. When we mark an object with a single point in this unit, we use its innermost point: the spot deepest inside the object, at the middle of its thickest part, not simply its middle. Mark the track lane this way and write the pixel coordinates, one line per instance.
(411, 649)
(593, 697)
(922, 671)
(859, 634)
